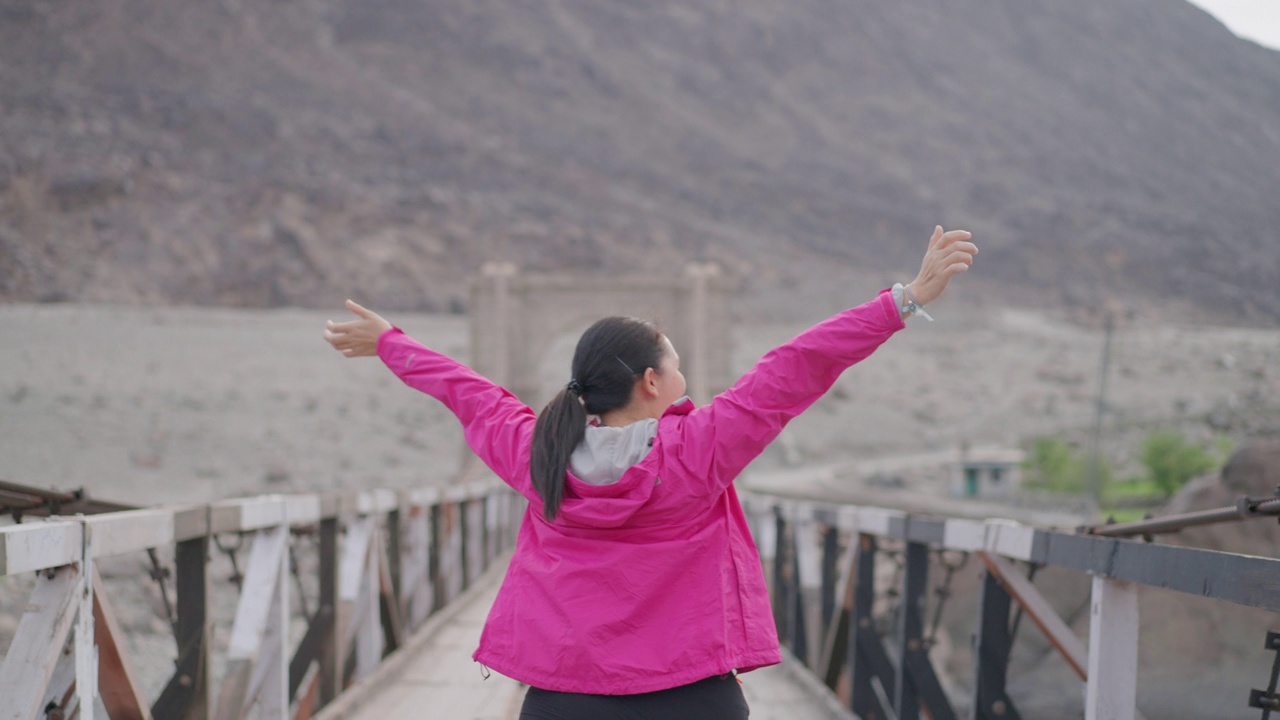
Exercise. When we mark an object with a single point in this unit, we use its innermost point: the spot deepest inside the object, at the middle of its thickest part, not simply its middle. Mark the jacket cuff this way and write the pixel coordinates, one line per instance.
(385, 337)
(892, 314)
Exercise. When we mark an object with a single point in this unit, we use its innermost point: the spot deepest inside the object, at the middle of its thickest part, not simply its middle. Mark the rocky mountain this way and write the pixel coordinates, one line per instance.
(290, 152)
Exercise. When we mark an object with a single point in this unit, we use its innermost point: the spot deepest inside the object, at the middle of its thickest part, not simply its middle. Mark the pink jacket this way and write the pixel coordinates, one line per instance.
(653, 581)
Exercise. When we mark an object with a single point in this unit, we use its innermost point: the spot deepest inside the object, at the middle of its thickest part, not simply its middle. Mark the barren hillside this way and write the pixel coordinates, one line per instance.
(255, 153)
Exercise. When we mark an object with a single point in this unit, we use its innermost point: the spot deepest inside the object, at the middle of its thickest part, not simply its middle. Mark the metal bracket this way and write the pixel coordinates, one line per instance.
(1268, 700)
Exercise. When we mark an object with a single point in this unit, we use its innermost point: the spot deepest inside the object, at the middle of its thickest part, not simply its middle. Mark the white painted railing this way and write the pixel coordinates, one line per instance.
(825, 554)
(386, 561)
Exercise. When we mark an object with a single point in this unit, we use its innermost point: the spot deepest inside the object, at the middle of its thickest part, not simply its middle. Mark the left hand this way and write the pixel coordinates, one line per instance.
(949, 254)
(357, 338)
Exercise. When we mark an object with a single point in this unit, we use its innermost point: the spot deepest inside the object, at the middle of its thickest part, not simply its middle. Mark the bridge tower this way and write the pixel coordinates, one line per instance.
(516, 318)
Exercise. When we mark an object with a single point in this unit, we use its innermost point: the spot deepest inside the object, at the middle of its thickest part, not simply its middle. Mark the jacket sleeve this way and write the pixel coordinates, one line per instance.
(497, 426)
(718, 440)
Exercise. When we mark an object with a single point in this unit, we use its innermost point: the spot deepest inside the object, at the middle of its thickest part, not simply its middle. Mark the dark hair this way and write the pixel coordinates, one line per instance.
(610, 356)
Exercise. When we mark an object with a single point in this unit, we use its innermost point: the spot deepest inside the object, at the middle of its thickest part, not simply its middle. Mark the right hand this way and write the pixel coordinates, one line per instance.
(950, 253)
(357, 338)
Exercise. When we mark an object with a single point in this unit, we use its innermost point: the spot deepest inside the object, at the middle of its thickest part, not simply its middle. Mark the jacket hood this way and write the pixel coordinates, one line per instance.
(605, 453)
(609, 479)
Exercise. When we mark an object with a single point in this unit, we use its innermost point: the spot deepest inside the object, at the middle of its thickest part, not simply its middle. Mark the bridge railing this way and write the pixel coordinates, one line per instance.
(829, 602)
(331, 584)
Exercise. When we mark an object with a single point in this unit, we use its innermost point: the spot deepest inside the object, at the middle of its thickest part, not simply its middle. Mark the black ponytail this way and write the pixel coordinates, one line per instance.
(611, 355)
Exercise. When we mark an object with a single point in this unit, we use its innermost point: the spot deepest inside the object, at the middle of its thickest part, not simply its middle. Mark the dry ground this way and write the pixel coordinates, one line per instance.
(160, 405)
(165, 405)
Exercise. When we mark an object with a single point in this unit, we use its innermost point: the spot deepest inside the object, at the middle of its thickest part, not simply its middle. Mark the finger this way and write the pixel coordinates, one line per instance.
(937, 235)
(359, 309)
(345, 327)
(956, 256)
(953, 236)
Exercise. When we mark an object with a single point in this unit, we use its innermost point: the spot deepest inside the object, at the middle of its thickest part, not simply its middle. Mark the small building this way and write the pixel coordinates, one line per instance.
(987, 473)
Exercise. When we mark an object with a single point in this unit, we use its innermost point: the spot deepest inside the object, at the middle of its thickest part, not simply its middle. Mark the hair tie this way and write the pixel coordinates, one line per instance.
(575, 387)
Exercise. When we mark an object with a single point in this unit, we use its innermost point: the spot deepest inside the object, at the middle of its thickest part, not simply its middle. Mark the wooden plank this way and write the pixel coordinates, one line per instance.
(877, 521)
(61, 692)
(454, 494)
(808, 558)
(473, 511)
(331, 505)
(391, 616)
(452, 566)
(403, 669)
(118, 689)
(269, 682)
(416, 579)
(767, 533)
(38, 545)
(375, 502)
(247, 514)
(130, 531)
(258, 607)
(190, 522)
(266, 563)
(232, 692)
(1040, 612)
(966, 535)
(358, 594)
(1113, 651)
(86, 653)
(423, 497)
(1009, 538)
(309, 700)
(38, 642)
(355, 555)
(301, 510)
(369, 640)
(262, 512)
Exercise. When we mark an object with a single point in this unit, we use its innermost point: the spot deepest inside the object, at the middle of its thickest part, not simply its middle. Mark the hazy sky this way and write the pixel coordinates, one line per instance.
(1257, 20)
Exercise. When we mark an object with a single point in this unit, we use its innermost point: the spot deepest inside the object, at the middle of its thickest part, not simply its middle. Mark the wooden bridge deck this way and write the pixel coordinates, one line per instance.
(434, 676)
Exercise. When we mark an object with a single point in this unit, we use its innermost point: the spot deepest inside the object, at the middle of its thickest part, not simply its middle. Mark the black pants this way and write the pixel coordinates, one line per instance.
(716, 698)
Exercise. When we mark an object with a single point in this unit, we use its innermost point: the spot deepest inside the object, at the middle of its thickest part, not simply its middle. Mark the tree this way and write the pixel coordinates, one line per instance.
(1054, 465)
(1171, 461)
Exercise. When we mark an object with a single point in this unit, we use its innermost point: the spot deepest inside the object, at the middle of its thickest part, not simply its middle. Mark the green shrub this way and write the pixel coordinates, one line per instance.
(1054, 465)
(1171, 461)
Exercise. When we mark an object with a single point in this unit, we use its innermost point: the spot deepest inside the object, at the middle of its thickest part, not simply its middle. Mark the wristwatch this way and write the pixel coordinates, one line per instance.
(906, 302)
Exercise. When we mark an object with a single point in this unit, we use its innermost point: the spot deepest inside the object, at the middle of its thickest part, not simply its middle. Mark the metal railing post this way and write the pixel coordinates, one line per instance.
(993, 643)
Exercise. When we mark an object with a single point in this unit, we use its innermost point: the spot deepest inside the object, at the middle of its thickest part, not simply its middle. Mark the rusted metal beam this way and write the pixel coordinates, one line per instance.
(116, 684)
(1041, 613)
(1246, 508)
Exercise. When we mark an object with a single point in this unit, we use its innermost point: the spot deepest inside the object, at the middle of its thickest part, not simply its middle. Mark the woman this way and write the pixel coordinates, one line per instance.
(635, 589)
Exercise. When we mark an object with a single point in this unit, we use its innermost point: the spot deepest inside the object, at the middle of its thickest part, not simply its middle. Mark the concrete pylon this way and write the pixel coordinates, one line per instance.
(517, 317)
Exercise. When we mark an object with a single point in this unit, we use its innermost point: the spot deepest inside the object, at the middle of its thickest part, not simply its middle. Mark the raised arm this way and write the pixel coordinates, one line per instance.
(719, 440)
(497, 426)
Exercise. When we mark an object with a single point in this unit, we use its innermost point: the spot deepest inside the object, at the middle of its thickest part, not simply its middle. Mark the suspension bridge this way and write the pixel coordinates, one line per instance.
(368, 604)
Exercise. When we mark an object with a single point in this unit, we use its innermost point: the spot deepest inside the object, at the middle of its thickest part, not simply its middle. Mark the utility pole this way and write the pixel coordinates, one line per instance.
(1095, 454)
